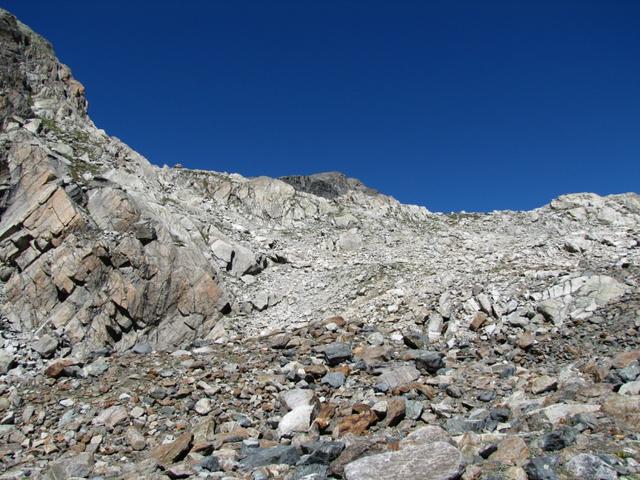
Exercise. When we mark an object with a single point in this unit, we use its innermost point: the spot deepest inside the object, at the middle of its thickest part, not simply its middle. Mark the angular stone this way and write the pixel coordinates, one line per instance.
(558, 439)
(435, 461)
(511, 451)
(425, 436)
(169, 453)
(543, 384)
(325, 453)
(46, 345)
(6, 361)
(395, 377)
(589, 467)
(426, 360)
(298, 397)
(281, 454)
(415, 340)
(337, 353)
(334, 379)
(135, 439)
(78, 466)
(56, 368)
(479, 319)
(112, 416)
(203, 406)
(297, 420)
(395, 411)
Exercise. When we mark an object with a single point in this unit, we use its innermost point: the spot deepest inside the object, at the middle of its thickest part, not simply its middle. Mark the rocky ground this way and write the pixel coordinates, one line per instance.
(171, 323)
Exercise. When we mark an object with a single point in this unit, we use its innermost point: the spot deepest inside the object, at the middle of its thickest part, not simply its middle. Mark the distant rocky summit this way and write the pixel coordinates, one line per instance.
(176, 323)
(328, 185)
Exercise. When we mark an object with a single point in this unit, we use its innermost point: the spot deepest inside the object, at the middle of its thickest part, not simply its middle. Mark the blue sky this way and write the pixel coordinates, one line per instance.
(454, 105)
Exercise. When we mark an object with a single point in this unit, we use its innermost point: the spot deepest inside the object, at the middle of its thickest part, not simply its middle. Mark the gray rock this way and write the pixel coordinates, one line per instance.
(542, 468)
(314, 471)
(325, 453)
(211, 464)
(396, 376)
(558, 439)
(590, 467)
(335, 379)
(425, 436)
(337, 353)
(435, 461)
(281, 454)
(135, 439)
(413, 409)
(78, 466)
(46, 345)
(6, 361)
(142, 348)
(112, 416)
(415, 340)
(426, 360)
(630, 372)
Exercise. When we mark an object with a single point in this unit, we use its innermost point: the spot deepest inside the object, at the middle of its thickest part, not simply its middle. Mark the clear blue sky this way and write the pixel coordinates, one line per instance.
(454, 105)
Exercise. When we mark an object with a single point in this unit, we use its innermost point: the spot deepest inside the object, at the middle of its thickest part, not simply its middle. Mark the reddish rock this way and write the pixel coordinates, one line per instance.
(56, 368)
(478, 321)
(395, 411)
(173, 452)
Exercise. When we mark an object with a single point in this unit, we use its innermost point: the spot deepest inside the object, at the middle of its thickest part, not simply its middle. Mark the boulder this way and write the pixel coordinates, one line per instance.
(435, 461)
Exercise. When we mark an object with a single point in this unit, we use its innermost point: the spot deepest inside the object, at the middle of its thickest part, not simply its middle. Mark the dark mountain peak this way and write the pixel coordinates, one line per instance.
(327, 184)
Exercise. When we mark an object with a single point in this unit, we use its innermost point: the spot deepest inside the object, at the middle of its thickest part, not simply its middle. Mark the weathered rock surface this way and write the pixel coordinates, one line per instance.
(435, 461)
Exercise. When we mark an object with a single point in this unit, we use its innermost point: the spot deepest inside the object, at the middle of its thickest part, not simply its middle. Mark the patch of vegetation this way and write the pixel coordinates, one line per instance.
(50, 125)
(79, 167)
(166, 200)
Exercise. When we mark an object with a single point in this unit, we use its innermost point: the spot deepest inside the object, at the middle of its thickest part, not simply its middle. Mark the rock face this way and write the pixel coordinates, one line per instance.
(82, 254)
(173, 323)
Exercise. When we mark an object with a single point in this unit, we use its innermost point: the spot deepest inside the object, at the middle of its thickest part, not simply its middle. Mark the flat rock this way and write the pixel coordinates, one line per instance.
(6, 361)
(281, 454)
(298, 397)
(425, 436)
(112, 416)
(297, 420)
(78, 466)
(435, 461)
(135, 439)
(544, 384)
(57, 367)
(46, 345)
(590, 467)
(511, 451)
(397, 376)
(336, 353)
(169, 453)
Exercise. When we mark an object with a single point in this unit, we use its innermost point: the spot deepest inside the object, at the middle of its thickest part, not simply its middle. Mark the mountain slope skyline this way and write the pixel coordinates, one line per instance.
(449, 107)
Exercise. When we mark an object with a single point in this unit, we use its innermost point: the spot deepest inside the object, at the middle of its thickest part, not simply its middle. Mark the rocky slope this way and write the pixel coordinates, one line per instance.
(173, 323)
